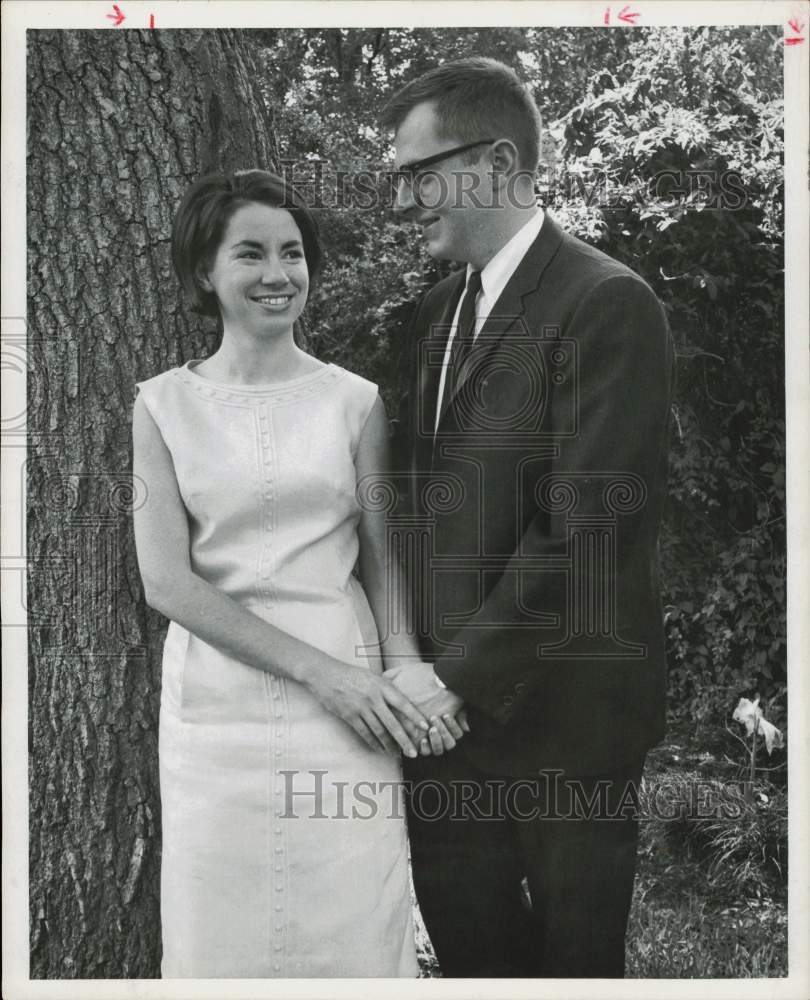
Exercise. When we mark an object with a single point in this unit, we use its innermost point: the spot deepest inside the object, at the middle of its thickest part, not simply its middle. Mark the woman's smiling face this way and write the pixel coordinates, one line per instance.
(259, 274)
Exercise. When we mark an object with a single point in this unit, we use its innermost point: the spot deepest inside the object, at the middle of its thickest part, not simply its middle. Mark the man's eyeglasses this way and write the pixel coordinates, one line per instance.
(409, 172)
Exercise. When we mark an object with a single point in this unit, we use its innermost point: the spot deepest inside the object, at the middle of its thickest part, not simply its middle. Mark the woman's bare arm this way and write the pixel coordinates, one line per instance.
(384, 578)
(363, 700)
(386, 585)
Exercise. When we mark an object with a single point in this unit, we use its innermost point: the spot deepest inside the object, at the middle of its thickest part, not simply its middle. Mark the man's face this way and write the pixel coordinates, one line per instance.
(449, 198)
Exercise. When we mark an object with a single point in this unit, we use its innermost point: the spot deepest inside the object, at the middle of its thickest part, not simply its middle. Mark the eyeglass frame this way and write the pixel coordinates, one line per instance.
(409, 171)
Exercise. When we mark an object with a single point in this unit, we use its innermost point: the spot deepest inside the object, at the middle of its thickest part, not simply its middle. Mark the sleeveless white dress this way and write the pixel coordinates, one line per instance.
(284, 845)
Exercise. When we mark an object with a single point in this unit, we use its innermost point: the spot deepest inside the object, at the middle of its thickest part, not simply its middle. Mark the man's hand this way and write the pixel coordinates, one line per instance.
(443, 709)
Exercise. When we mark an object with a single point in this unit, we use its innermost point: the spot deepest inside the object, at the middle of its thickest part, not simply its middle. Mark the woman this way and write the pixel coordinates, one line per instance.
(273, 708)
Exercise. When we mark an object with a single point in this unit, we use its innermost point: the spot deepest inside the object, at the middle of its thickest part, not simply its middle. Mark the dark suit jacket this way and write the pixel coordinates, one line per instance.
(542, 495)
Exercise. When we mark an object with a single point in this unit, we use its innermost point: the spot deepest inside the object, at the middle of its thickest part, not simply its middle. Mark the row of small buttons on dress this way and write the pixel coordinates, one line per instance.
(277, 708)
(276, 689)
(267, 395)
(268, 495)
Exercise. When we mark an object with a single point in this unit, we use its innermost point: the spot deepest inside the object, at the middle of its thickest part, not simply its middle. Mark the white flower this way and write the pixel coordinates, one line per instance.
(750, 715)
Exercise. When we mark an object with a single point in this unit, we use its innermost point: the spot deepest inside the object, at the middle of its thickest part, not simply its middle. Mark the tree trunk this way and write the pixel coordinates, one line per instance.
(119, 123)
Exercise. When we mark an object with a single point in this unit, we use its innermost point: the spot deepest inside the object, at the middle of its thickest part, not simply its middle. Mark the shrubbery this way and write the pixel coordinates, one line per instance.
(686, 138)
(624, 108)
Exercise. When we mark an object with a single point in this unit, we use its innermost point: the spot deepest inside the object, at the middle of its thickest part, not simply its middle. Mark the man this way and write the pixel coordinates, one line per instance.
(540, 415)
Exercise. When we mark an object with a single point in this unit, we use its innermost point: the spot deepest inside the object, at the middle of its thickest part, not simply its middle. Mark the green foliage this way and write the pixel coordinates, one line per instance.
(623, 108)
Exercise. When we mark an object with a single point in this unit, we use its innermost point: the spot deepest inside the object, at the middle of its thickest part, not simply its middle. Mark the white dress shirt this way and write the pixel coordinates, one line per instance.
(494, 278)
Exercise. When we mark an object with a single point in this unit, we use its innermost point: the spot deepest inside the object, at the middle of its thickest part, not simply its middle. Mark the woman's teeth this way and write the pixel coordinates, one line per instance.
(273, 300)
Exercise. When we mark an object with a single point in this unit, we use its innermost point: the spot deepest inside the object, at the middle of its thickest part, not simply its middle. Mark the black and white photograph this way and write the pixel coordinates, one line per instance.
(404, 543)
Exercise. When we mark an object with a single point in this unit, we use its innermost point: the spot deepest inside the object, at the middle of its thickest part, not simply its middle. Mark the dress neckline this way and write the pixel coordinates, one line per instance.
(259, 387)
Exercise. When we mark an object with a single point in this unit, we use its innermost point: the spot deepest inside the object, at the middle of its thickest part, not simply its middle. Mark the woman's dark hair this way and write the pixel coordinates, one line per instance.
(205, 212)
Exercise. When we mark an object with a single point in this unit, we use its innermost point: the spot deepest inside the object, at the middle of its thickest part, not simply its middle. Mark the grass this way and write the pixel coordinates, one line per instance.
(428, 966)
(691, 939)
(710, 897)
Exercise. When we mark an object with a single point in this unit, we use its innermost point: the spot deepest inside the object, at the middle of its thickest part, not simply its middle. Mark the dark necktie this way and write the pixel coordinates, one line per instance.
(465, 334)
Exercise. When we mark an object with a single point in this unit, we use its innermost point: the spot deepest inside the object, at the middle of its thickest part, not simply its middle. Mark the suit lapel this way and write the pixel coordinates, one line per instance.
(510, 308)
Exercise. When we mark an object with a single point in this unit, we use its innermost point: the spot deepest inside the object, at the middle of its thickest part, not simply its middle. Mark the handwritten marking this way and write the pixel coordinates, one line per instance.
(151, 20)
(117, 18)
(627, 15)
(606, 18)
(795, 25)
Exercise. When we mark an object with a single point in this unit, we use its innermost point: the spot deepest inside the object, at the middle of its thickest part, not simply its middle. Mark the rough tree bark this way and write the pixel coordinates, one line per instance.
(119, 123)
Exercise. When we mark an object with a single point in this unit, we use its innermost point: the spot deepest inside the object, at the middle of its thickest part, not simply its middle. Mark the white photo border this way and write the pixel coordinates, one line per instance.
(19, 16)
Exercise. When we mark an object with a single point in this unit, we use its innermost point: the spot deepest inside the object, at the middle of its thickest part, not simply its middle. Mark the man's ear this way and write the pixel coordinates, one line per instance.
(504, 161)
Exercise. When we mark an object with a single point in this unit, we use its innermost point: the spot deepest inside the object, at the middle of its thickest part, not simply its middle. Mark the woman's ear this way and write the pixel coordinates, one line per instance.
(202, 278)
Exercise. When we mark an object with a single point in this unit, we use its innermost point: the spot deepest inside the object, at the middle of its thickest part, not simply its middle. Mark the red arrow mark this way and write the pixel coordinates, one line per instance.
(151, 20)
(797, 27)
(606, 18)
(793, 41)
(628, 16)
(117, 17)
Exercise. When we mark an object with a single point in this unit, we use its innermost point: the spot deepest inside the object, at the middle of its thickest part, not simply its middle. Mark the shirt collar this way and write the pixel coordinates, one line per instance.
(499, 270)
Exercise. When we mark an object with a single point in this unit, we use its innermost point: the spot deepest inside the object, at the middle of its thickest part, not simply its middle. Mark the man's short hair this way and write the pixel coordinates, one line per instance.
(205, 212)
(474, 98)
